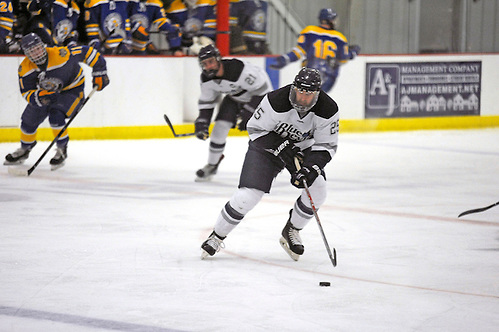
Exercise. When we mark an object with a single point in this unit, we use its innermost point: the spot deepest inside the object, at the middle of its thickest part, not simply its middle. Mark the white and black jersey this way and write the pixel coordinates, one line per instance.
(318, 130)
(241, 81)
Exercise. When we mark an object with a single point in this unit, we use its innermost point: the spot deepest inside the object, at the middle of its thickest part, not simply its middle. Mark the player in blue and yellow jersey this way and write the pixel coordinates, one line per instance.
(108, 26)
(6, 24)
(322, 48)
(65, 15)
(55, 21)
(196, 20)
(251, 17)
(52, 81)
(146, 14)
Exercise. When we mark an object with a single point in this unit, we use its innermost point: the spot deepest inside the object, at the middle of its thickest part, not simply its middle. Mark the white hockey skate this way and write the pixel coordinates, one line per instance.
(18, 157)
(59, 159)
(208, 171)
(212, 245)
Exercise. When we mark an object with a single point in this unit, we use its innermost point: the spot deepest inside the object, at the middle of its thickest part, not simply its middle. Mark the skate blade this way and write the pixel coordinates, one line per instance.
(205, 179)
(19, 170)
(204, 254)
(284, 246)
(56, 167)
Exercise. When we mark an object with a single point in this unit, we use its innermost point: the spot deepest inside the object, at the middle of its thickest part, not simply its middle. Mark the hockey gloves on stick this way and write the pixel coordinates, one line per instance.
(201, 127)
(287, 151)
(279, 62)
(307, 173)
(100, 80)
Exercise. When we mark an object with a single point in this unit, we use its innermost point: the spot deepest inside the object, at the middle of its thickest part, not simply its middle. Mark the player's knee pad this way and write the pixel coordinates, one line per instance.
(245, 199)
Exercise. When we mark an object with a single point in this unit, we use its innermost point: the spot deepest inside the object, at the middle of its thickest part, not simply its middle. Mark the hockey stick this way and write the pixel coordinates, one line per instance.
(173, 130)
(22, 172)
(332, 255)
(477, 210)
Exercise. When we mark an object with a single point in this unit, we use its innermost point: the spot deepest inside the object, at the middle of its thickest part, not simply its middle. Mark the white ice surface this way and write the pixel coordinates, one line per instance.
(111, 240)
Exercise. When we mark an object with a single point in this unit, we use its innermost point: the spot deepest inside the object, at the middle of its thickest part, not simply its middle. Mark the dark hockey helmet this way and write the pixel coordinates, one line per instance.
(328, 16)
(209, 66)
(34, 48)
(305, 90)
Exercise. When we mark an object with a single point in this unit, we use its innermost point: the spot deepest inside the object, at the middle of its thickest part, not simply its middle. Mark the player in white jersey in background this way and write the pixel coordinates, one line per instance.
(243, 86)
(296, 121)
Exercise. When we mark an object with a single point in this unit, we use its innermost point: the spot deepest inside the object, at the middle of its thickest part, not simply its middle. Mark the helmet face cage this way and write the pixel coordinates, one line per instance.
(308, 82)
(34, 48)
(207, 52)
(329, 16)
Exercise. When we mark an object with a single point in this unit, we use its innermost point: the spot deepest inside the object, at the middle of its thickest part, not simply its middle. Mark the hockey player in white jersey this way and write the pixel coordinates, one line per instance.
(298, 121)
(242, 86)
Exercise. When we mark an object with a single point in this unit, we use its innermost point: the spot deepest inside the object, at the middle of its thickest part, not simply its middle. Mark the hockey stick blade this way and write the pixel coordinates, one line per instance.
(477, 210)
(173, 130)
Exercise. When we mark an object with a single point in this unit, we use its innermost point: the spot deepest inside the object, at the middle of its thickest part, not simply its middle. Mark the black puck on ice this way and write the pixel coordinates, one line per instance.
(324, 284)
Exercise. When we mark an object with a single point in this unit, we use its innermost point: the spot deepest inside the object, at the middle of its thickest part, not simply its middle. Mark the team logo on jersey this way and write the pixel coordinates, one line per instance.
(113, 22)
(140, 19)
(62, 30)
(49, 83)
(287, 130)
(258, 20)
(193, 25)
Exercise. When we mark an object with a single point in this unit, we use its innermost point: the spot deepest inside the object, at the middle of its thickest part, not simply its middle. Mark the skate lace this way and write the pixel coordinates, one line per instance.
(294, 236)
(58, 153)
(216, 243)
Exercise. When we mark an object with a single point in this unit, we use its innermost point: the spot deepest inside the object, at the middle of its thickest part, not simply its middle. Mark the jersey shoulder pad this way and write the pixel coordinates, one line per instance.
(57, 56)
(206, 3)
(26, 67)
(325, 107)
(61, 3)
(93, 3)
(311, 29)
(75, 7)
(175, 6)
(279, 99)
(232, 69)
(157, 3)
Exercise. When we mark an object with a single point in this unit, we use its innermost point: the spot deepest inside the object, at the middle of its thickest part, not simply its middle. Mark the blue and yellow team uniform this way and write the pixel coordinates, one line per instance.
(322, 49)
(107, 20)
(200, 20)
(6, 23)
(63, 81)
(65, 17)
(146, 14)
(251, 16)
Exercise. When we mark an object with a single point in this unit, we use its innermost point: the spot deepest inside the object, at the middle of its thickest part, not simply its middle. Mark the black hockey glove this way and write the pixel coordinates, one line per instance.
(201, 127)
(100, 79)
(44, 97)
(287, 152)
(354, 51)
(307, 173)
(243, 118)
